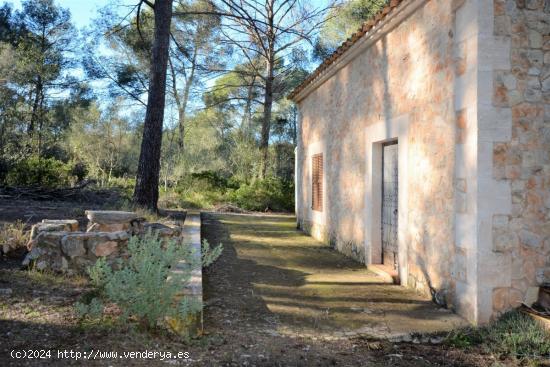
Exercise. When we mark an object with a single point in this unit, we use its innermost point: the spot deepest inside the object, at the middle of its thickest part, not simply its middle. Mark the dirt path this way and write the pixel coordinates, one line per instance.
(284, 282)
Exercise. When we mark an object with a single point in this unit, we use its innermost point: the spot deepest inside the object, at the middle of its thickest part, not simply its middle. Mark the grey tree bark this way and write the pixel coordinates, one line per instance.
(146, 192)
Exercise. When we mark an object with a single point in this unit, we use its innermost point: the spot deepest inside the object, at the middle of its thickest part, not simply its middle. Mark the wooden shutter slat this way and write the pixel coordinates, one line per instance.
(317, 182)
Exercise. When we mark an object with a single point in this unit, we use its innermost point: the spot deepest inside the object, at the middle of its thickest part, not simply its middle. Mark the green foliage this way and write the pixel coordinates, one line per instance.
(41, 172)
(79, 170)
(209, 255)
(262, 195)
(105, 143)
(212, 178)
(344, 20)
(514, 335)
(145, 286)
(207, 189)
(92, 310)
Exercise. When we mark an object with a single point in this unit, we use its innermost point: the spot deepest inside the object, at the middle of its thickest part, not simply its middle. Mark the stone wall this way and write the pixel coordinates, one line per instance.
(407, 74)
(523, 160)
(59, 246)
(467, 99)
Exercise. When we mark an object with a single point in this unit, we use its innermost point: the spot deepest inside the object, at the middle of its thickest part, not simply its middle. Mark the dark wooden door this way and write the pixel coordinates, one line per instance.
(390, 186)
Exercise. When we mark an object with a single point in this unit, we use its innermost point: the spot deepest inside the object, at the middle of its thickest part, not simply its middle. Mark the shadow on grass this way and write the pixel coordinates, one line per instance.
(302, 284)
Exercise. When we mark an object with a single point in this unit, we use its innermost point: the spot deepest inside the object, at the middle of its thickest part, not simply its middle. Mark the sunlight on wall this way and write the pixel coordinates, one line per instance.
(418, 67)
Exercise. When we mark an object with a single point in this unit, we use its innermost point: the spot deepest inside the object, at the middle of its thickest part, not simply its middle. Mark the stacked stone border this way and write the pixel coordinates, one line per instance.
(191, 234)
(58, 246)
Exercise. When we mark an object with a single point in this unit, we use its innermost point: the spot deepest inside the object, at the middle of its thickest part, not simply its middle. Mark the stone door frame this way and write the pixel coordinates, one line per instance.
(376, 135)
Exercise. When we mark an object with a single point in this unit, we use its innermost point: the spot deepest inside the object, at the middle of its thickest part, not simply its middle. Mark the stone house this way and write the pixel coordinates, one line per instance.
(424, 149)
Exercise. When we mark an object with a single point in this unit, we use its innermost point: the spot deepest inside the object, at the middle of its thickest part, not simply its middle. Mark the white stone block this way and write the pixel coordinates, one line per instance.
(494, 53)
(465, 231)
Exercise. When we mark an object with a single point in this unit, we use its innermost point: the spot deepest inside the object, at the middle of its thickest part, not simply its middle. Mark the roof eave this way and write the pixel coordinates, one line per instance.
(371, 31)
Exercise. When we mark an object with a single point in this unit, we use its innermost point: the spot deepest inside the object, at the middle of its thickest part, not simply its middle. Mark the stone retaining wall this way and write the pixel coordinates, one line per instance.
(58, 245)
(191, 235)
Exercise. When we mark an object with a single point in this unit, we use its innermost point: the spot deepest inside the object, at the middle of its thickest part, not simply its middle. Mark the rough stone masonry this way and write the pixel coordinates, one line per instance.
(59, 246)
(463, 87)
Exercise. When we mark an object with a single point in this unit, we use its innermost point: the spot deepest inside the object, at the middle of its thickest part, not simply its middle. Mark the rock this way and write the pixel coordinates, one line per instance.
(110, 216)
(116, 227)
(105, 248)
(34, 254)
(162, 230)
(57, 245)
(49, 239)
(70, 225)
(529, 238)
(73, 245)
(535, 39)
(118, 236)
(47, 225)
(531, 296)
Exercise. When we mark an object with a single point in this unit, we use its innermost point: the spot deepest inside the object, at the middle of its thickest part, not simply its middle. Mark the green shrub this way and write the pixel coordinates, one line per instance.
(207, 189)
(214, 179)
(94, 309)
(201, 199)
(261, 195)
(203, 190)
(514, 335)
(79, 171)
(44, 172)
(144, 287)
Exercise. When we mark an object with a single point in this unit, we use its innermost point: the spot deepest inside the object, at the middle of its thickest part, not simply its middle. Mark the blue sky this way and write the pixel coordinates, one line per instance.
(82, 11)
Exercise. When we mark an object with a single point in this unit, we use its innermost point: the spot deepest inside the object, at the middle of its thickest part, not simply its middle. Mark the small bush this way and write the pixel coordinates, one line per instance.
(144, 287)
(203, 191)
(207, 189)
(44, 172)
(514, 334)
(213, 179)
(13, 237)
(79, 171)
(262, 195)
(126, 185)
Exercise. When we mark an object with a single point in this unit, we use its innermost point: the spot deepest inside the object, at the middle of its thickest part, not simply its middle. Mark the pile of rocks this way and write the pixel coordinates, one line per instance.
(59, 246)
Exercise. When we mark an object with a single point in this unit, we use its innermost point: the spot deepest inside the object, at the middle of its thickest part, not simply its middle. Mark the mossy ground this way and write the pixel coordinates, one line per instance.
(310, 289)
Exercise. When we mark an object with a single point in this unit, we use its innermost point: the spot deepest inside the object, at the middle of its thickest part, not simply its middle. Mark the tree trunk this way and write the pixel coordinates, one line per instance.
(146, 192)
(246, 123)
(266, 120)
(268, 98)
(182, 108)
(35, 105)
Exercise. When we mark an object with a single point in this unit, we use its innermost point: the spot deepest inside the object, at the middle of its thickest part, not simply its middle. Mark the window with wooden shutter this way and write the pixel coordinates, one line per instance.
(317, 182)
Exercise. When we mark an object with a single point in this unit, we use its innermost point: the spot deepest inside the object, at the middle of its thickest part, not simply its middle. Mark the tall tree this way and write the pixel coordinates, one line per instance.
(195, 54)
(43, 59)
(342, 21)
(146, 191)
(269, 31)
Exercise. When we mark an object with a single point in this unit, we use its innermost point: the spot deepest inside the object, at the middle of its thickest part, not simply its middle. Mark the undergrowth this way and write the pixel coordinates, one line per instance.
(144, 287)
(13, 236)
(514, 335)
